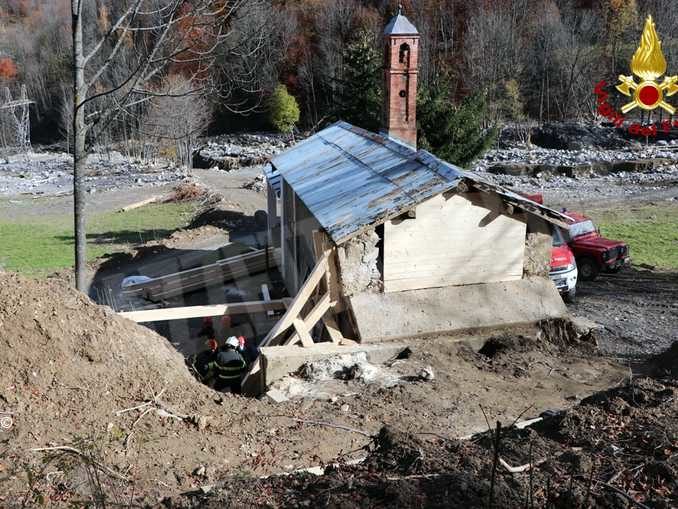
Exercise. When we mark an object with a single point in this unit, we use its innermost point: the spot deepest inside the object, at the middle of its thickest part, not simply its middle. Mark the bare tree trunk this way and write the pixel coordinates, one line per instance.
(79, 152)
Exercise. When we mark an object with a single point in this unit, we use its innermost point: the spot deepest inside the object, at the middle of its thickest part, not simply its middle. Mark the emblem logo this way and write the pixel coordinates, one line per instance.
(649, 64)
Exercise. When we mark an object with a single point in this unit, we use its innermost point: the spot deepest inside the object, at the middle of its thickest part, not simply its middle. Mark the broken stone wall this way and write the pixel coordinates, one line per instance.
(359, 264)
(538, 244)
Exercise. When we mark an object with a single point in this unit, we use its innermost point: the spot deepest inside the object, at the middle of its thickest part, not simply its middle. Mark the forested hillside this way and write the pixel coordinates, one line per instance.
(536, 59)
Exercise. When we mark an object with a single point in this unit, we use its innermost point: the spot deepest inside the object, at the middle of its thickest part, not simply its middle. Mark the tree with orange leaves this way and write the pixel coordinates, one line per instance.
(8, 69)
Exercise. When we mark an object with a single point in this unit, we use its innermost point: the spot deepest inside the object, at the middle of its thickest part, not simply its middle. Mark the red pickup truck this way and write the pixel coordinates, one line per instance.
(594, 253)
(563, 271)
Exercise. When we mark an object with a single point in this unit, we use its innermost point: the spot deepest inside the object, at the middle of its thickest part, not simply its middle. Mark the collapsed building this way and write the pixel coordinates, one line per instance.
(377, 241)
(403, 243)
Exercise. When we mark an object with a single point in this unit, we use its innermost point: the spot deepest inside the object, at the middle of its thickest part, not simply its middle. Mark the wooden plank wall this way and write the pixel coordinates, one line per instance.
(287, 240)
(453, 241)
(306, 224)
(298, 225)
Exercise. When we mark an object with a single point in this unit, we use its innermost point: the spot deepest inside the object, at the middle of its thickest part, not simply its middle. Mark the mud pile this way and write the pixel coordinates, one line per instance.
(67, 366)
(57, 346)
(616, 447)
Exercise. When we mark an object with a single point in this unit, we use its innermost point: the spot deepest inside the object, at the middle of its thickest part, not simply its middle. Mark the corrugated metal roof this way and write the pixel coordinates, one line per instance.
(349, 178)
(273, 177)
(400, 25)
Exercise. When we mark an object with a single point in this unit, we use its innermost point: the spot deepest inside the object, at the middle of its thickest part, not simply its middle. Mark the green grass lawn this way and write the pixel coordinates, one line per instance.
(39, 246)
(651, 231)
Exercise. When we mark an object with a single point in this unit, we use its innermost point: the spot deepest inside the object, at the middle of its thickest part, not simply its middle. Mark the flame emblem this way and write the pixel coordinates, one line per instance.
(649, 64)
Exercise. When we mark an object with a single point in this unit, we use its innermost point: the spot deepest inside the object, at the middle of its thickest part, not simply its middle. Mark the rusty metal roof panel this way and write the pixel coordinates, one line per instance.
(350, 178)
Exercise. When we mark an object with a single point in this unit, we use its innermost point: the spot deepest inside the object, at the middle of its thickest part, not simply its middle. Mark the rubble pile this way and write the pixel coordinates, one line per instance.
(188, 191)
(52, 173)
(573, 135)
(326, 379)
(577, 162)
(231, 152)
(258, 184)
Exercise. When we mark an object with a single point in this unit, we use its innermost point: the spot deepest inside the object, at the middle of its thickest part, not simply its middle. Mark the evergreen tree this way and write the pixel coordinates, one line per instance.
(283, 110)
(359, 101)
(453, 133)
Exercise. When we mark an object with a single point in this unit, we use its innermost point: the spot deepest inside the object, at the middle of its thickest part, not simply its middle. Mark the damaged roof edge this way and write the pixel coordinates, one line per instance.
(386, 217)
(529, 206)
(351, 180)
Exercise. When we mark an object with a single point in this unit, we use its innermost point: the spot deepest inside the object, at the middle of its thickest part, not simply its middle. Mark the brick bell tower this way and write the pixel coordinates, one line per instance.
(401, 63)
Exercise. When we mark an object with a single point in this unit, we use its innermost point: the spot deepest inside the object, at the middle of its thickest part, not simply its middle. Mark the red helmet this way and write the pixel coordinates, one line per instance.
(212, 345)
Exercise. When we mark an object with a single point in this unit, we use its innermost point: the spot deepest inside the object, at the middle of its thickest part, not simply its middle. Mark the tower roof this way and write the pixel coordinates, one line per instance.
(400, 25)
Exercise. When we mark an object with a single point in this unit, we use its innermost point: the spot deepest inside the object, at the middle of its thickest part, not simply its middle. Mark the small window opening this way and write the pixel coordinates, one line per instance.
(404, 56)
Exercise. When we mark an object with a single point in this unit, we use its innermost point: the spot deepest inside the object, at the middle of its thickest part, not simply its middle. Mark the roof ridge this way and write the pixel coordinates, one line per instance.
(354, 158)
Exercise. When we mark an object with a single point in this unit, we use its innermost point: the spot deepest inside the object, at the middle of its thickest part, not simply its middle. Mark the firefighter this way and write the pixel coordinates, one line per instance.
(229, 366)
(204, 361)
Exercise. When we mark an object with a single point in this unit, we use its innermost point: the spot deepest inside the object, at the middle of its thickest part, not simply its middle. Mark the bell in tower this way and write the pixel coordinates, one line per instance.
(401, 40)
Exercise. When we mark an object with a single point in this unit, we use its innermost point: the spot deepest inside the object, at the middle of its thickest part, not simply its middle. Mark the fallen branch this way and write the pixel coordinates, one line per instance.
(416, 476)
(155, 400)
(138, 407)
(621, 492)
(77, 452)
(521, 468)
(129, 435)
(441, 437)
(153, 405)
(139, 204)
(329, 425)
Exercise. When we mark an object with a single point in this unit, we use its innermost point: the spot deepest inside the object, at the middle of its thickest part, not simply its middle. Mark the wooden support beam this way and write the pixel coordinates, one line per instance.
(299, 301)
(184, 313)
(322, 243)
(322, 306)
(266, 295)
(303, 333)
(333, 330)
(142, 203)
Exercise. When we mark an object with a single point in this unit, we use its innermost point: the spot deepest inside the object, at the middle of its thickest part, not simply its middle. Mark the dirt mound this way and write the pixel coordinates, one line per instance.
(496, 347)
(400, 471)
(53, 336)
(518, 355)
(565, 335)
(616, 447)
(67, 366)
(395, 451)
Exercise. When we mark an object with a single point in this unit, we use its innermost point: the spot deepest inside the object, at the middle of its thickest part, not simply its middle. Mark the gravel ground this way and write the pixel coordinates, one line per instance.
(637, 309)
(660, 183)
(52, 174)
